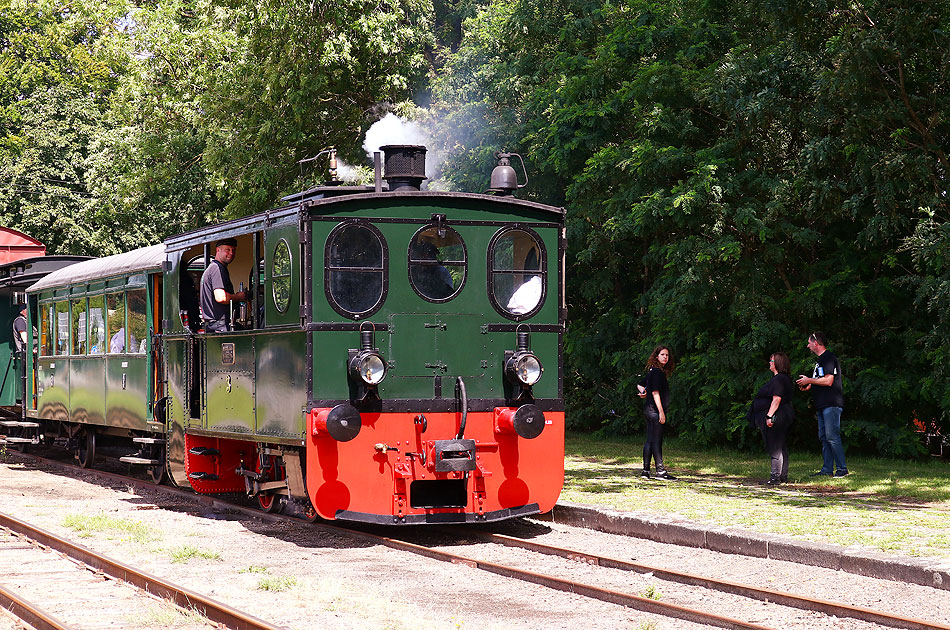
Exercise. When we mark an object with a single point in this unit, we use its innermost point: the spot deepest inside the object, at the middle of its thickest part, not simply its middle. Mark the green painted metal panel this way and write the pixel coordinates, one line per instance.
(10, 382)
(53, 388)
(229, 383)
(87, 390)
(451, 338)
(175, 353)
(126, 391)
(281, 384)
(170, 295)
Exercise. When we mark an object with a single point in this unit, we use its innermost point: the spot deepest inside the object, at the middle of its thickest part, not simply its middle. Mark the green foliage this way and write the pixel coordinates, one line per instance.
(737, 176)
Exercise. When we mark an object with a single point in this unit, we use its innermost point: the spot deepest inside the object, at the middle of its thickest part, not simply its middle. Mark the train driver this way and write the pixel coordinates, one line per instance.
(217, 292)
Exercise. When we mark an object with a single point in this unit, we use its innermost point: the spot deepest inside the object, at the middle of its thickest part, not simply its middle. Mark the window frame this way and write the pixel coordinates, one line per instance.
(464, 263)
(128, 321)
(105, 324)
(274, 277)
(328, 269)
(63, 300)
(543, 271)
(122, 321)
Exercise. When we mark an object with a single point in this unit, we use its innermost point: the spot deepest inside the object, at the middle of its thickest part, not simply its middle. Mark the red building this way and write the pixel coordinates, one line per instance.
(17, 245)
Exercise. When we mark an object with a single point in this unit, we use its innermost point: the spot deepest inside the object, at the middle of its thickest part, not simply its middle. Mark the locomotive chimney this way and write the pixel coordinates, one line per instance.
(405, 166)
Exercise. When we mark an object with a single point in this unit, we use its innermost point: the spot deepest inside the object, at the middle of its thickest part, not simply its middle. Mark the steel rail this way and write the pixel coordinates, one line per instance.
(213, 610)
(643, 604)
(829, 607)
(29, 612)
(788, 599)
(595, 592)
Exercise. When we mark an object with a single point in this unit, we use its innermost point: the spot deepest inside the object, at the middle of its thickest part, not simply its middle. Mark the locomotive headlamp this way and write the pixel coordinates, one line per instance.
(367, 365)
(524, 366)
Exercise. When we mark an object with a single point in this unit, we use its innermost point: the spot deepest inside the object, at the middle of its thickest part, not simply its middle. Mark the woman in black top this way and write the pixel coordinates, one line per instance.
(655, 406)
(772, 411)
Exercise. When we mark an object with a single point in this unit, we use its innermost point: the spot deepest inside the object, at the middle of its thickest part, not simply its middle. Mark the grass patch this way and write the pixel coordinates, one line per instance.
(190, 552)
(276, 584)
(165, 614)
(651, 592)
(894, 506)
(113, 527)
(254, 569)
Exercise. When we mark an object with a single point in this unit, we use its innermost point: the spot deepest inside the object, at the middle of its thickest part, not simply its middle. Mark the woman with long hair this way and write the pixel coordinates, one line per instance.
(773, 415)
(655, 407)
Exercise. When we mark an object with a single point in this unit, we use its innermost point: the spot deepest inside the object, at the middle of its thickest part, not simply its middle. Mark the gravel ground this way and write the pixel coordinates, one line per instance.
(296, 575)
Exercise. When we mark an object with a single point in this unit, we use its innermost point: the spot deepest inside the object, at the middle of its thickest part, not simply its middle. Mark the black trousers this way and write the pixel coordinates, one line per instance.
(776, 445)
(653, 448)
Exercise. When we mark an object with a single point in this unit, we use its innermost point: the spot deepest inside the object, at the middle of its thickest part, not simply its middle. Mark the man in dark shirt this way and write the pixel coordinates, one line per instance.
(217, 292)
(19, 329)
(828, 396)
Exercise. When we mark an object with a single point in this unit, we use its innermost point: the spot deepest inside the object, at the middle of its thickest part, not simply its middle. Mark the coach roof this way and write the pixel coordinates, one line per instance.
(136, 261)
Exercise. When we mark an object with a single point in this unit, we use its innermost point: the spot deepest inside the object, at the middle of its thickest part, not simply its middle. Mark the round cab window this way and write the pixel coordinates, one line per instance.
(437, 263)
(517, 273)
(356, 269)
(280, 276)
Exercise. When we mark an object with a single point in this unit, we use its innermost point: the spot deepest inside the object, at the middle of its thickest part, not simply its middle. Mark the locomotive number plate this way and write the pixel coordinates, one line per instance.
(227, 354)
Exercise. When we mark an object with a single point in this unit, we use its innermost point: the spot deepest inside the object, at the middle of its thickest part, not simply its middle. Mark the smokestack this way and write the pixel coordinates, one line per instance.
(405, 166)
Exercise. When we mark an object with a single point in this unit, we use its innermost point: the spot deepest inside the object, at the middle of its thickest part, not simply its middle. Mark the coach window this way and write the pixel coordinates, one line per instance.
(97, 325)
(46, 329)
(62, 328)
(516, 273)
(280, 274)
(115, 306)
(437, 263)
(356, 269)
(138, 325)
(79, 327)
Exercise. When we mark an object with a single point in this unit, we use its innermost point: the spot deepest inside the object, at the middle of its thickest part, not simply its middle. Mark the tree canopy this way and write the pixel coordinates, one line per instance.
(736, 175)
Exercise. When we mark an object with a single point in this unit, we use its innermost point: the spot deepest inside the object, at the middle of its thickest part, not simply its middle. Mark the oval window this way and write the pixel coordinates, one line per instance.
(280, 276)
(437, 263)
(356, 266)
(517, 273)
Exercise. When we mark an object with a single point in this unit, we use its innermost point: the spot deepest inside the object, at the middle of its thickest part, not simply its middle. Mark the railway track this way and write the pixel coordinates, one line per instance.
(453, 539)
(54, 584)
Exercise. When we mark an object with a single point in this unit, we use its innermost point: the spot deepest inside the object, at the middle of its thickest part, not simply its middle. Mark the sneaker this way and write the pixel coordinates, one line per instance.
(773, 481)
(662, 474)
(841, 472)
(783, 478)
(645, 474)
(821, 473)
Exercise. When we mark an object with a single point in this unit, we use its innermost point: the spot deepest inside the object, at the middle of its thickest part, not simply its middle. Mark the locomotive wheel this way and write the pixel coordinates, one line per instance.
(87, 448)
(272, 503)
(157, 472)
(267, 466)
(310, 514)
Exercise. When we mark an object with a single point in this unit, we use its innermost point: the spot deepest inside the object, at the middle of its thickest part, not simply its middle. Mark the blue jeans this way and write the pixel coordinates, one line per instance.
(829, 434)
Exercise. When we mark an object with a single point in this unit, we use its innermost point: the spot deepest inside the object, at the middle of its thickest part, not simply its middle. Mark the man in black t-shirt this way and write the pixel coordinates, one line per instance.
(828, 396)
(217, 292)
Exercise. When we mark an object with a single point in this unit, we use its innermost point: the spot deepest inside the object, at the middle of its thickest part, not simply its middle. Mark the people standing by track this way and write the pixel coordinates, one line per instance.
(828, 396)
(655, 407)
(773, 415)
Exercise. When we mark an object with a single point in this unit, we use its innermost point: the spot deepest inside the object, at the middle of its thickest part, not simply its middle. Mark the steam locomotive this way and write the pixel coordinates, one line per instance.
(398, 360)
